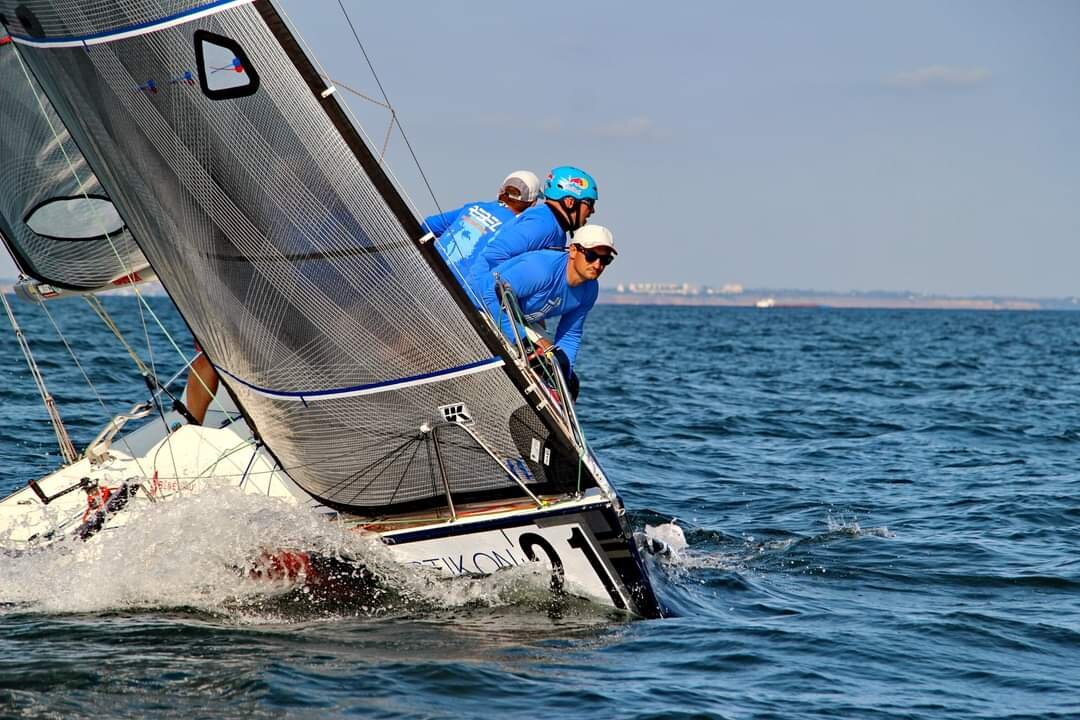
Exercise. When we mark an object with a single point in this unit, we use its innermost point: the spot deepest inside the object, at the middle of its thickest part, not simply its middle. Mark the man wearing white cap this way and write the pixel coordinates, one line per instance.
(550, 283)
(462, 233)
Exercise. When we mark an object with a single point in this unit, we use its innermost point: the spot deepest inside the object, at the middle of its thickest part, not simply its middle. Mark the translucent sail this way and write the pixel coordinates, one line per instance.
(59, 232)
(290, 253)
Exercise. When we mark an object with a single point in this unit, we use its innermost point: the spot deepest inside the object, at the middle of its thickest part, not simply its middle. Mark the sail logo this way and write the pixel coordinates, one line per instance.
(457, 413)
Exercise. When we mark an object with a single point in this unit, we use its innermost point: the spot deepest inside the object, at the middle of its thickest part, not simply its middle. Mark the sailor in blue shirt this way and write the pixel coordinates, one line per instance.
(463, 232)
(569, 198)
(549, 283)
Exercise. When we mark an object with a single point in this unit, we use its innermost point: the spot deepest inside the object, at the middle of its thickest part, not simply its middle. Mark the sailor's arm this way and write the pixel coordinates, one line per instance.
(437, 224)
(572, 325)
(569, 332)
(524, 278)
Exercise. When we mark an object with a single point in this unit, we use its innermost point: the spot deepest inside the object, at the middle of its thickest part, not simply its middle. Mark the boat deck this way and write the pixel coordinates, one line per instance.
(465, 512)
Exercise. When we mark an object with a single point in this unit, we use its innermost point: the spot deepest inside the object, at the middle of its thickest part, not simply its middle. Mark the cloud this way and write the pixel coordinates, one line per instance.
(550, 125)
(639, 127)
(939, 76)
(498, 120)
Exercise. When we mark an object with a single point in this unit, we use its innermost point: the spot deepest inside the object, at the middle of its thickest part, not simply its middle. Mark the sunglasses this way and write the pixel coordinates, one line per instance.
(592, 256)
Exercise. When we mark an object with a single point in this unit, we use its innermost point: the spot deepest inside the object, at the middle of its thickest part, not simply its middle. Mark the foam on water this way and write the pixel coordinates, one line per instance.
(677, 555)
(670, 534)
(844, 526)
(192, 552)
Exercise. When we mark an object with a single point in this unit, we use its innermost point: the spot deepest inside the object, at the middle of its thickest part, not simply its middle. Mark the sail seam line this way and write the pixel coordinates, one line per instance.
(371, 388)
(131, 31)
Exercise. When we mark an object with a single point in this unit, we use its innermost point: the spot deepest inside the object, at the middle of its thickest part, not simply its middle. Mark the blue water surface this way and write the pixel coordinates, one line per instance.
(880, 509)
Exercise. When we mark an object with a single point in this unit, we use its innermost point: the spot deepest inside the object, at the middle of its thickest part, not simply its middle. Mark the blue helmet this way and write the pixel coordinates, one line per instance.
(569, 181)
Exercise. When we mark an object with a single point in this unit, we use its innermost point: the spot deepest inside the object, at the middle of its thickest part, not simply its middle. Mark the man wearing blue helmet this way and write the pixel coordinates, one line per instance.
(569, 199)
(464, 232)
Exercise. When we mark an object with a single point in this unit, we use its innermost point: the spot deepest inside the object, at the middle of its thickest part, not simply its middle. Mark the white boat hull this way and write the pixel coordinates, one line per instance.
(580, 539)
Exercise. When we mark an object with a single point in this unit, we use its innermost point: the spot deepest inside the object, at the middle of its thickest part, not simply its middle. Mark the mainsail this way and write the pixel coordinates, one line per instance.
(56, 220)
(290, 253)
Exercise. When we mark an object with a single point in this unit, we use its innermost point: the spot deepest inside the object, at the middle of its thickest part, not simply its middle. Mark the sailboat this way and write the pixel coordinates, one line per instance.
(357, 377)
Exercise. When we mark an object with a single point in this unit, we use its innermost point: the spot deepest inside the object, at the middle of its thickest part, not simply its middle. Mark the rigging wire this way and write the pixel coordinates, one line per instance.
(393, 114)
(95, 304)
(67, 449)
(152, 386)
(347, 109)
(395, 121)
(129, 271)
(564, 409)
(209, 471)
(89, 382)
(356, 92)
(368, 98)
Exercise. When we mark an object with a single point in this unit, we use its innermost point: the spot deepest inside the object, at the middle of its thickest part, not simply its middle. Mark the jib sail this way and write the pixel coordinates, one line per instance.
(60, 231)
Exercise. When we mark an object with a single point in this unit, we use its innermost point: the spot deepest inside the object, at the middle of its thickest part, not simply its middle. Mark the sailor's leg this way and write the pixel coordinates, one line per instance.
(201, 387)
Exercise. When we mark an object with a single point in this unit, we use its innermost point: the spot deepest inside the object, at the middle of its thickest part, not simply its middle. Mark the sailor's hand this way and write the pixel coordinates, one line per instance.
(540, 348)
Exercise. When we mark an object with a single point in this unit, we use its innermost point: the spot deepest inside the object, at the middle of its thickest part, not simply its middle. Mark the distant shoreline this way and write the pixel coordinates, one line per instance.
(772, 299)
(788, 299)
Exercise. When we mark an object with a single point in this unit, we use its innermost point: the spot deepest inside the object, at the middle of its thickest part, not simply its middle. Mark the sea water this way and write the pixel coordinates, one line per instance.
(871, 514)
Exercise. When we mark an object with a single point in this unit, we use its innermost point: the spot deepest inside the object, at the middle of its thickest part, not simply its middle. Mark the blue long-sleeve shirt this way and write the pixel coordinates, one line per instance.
(538, 280)
(535, 229)
(462, 233)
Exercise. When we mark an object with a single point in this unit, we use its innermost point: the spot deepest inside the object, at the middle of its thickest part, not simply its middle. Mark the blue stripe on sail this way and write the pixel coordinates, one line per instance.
(135, 28)
(371, 388)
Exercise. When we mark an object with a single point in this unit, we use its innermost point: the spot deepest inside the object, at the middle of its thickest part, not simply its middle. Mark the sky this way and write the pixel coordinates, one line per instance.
(923, 146)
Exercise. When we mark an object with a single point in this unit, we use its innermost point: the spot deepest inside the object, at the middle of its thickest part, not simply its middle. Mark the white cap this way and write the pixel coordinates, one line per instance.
(526, 184)
(591, 236)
